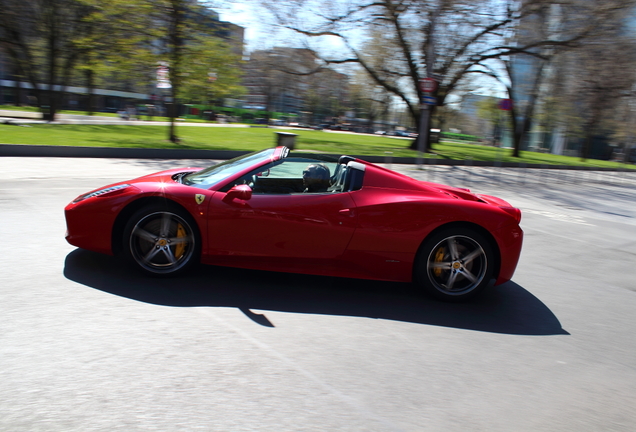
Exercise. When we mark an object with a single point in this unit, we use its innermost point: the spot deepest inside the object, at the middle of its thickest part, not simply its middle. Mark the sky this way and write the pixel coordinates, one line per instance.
(260, 34)
(242, 16)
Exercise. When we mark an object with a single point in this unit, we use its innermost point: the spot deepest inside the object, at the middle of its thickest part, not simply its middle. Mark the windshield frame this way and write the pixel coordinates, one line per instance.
(218, 174)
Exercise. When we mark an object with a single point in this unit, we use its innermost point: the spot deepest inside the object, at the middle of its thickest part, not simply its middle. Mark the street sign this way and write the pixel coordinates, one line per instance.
(505, 104)
(428, 85)
(429, 100)
(163, 76)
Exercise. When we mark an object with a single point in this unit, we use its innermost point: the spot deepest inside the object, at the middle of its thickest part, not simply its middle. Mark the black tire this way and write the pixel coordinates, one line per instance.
(161, 240)
(455, 264)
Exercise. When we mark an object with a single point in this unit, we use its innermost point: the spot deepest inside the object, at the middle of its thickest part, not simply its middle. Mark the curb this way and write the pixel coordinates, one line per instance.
(18, 150)
(24, 150)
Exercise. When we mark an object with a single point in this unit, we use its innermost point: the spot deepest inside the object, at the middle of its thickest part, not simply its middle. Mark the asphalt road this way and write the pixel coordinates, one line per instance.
(87, 345)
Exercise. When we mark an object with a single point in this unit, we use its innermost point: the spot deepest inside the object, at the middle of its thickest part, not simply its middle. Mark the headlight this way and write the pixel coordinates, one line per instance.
(101, 192)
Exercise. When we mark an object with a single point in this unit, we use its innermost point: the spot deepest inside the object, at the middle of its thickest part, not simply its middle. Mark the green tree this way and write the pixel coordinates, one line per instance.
(116, 45)
(187, 44)
(213, 72)
(488, 109)
(40, 37)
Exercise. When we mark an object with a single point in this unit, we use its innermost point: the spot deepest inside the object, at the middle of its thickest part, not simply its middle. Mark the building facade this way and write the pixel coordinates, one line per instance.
(293, 81)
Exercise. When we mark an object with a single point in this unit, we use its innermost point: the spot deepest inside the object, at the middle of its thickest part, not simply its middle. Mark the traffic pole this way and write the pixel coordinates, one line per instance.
(422, 137)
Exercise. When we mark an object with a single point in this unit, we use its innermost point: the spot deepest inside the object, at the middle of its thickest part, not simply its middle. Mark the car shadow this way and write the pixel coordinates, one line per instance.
(508, 308)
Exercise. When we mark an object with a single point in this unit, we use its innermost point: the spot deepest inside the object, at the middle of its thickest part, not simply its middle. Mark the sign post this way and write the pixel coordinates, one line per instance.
(427, 86)
(422, 136)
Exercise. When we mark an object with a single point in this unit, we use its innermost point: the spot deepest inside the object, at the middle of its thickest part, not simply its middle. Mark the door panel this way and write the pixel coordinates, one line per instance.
(294, 226)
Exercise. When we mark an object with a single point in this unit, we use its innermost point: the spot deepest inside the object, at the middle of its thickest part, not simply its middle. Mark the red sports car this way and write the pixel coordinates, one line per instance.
(270, 210)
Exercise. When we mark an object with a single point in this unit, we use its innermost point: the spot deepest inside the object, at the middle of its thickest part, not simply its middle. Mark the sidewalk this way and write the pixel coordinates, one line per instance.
(27, 117)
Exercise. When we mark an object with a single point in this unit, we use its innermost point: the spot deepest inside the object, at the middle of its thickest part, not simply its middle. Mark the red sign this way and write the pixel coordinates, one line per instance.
(428, 85)
(505, 104)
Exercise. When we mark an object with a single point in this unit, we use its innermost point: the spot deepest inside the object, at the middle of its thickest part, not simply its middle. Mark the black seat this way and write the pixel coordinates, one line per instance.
(337, 184)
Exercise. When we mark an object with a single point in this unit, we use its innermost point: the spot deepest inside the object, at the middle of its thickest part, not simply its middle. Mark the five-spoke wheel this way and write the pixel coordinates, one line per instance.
(161, 240)
(455, 264)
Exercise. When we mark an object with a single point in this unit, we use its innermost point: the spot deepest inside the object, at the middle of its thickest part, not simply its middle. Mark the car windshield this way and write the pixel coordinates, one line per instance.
(210, 176)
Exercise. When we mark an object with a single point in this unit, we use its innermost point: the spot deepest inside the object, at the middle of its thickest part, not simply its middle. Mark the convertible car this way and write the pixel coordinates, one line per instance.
(272, 210)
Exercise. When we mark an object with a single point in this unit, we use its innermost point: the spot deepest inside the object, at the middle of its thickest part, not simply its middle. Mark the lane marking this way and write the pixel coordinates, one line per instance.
(562, 217)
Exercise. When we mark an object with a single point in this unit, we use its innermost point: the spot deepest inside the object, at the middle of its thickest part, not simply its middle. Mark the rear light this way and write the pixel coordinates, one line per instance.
(514, 212)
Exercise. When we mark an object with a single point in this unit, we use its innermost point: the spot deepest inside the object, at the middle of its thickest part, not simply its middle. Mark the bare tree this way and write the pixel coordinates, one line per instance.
(440, 39)
(292, 80)
(601, 81)
(274, 75)
(370, 100)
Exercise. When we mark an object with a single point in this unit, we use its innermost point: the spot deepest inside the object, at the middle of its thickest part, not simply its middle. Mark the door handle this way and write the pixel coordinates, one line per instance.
(346, 212)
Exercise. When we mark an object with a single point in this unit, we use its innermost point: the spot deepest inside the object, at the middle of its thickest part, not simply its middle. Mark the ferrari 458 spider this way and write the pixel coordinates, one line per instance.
(270, 210)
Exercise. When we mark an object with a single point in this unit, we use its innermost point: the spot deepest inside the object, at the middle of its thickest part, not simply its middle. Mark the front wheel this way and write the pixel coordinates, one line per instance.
(455, 264)
(161, 240)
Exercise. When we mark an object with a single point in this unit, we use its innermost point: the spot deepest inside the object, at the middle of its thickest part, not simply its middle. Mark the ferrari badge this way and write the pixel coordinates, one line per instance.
(199, 198)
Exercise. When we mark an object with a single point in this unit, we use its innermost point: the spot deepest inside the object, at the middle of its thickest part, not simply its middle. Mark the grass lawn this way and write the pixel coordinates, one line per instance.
(257, 138)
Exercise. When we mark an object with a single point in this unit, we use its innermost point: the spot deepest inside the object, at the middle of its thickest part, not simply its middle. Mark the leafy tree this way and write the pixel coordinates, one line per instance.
(40, 37)
(186, 34)
(116, 45)
(212, 73)
(488, 109)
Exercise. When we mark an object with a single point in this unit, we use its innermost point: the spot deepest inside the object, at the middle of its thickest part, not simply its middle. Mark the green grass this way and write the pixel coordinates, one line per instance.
(20, 108)
(251, 139)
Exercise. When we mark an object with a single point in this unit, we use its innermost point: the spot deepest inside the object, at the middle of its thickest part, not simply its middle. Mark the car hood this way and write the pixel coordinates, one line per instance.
(146, 183)
(163, 176)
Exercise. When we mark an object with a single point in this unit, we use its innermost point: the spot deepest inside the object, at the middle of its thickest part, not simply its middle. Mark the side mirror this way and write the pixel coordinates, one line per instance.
(242, 192)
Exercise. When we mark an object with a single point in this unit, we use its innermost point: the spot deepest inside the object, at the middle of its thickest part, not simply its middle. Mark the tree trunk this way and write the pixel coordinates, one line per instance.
(587, 142)
(424, 128)
(17, 91)
(172, 129)
(591, 125)
(90, 84)
(517, 132)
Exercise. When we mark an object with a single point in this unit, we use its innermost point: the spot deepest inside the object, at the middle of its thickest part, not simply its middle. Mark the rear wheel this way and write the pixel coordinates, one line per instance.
(161, 240)
(455, 264)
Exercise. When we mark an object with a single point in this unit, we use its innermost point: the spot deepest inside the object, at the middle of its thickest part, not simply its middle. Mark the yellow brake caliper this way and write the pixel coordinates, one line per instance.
(439, 257)
(180, 248)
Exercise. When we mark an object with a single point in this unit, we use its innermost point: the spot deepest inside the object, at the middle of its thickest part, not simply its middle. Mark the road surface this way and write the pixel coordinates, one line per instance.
(88, 345)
